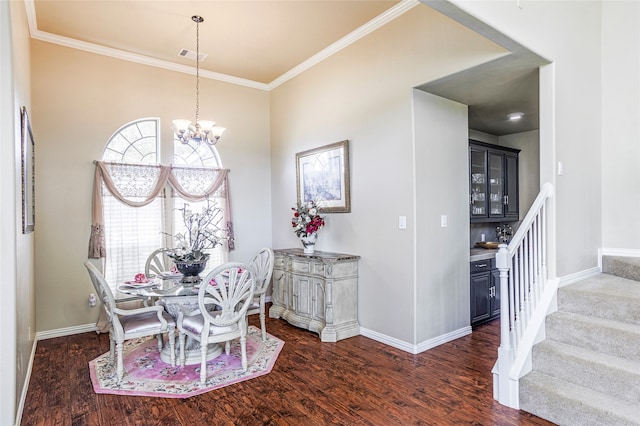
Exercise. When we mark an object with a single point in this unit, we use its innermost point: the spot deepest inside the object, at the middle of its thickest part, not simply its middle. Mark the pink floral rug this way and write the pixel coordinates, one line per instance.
(147, 375)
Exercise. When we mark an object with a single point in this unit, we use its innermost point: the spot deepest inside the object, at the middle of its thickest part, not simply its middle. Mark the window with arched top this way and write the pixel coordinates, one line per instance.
(134, 143)
(132, 233)
(195, 155)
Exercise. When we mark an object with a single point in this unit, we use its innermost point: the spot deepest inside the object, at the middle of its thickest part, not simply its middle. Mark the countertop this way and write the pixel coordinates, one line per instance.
(482, 254)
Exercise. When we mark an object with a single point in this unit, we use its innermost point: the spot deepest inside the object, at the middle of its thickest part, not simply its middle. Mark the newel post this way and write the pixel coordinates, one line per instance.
(507, 393)
(502, 263)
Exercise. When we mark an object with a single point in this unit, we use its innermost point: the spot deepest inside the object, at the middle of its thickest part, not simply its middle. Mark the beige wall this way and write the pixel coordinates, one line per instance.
(442, 189)
(80, 100)
(621, 125)
(364, 94)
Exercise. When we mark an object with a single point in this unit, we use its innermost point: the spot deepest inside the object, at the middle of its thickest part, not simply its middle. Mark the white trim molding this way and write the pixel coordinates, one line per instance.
(579, 276)
(618, 252)
(421, 347)
(27, 380)
(66, 331)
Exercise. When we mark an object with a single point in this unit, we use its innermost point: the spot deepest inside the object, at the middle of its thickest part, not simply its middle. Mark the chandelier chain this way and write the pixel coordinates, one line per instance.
(207, 131)
(197, 70)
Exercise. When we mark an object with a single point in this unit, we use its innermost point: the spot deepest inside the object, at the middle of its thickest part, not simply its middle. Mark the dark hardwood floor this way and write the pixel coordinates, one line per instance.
(356, 381)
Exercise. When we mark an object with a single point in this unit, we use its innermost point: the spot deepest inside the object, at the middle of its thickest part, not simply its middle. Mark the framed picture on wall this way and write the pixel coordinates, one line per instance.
(28, 174)
(322, 175)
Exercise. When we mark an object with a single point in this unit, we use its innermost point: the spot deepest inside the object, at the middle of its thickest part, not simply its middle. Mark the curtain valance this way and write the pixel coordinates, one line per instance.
(147, 182)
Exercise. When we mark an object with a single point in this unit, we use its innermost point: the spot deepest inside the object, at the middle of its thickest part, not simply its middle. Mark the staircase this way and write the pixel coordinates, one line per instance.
(587, 371)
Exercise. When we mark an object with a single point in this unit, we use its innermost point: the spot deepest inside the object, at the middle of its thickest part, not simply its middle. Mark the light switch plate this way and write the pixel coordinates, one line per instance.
(443, 221)
(402, 222)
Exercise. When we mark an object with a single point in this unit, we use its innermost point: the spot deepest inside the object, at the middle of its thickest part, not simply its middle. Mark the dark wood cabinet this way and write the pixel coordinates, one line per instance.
(485, 291)
(493, 182)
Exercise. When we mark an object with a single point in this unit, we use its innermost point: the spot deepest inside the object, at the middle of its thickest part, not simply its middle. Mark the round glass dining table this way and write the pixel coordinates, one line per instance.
(175, 296)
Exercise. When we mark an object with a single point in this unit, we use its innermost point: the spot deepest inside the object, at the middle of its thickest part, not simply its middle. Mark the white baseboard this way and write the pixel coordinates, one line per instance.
(415, 349)
(619, 252)
(27, 380)
(581, 275)
(67, 331)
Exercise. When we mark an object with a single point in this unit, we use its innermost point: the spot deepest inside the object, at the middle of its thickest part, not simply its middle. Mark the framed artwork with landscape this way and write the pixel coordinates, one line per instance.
(28, 174)
(322, 175)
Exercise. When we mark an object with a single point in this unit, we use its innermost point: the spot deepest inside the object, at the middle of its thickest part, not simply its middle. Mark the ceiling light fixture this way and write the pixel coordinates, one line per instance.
(205, 130)
(514, 116)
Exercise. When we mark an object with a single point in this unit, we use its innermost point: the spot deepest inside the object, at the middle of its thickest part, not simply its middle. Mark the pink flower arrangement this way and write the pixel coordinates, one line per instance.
(306, 219)
(141, 279)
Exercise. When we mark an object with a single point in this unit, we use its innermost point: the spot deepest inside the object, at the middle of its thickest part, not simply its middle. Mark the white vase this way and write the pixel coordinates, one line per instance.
(309, 243)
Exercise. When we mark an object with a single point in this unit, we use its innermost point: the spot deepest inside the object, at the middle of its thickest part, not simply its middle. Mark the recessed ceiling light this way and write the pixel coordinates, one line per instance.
(515, 116)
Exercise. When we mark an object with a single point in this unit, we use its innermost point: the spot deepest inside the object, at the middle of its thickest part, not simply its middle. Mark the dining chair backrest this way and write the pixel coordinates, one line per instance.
(103, 291)
(226, 293)
(158, 262)
(263, 264)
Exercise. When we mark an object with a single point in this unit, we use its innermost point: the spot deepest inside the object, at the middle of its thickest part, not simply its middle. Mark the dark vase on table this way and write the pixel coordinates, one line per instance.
(191, 271)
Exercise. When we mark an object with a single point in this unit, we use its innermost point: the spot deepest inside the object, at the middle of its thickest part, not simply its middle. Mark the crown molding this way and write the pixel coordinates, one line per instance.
(141, 59)
(350, 38)
(359, 33)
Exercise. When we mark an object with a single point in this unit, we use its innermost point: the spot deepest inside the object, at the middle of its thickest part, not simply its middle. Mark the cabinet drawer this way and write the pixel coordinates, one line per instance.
(482, 265)
(298, 266)
(278, 262)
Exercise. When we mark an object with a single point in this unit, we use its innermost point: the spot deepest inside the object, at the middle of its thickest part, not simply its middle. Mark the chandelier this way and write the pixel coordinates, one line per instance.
(200, 130)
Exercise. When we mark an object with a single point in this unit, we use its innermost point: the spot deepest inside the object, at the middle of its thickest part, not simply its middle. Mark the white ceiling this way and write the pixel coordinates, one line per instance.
(263, 43)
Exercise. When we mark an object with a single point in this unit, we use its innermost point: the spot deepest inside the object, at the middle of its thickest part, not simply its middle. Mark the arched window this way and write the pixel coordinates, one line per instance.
(132, 233)
(134, 143)
(191, 155)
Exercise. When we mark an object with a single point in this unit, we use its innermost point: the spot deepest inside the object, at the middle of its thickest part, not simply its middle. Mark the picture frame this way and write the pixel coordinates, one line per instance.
(28, 173)
(322, 175)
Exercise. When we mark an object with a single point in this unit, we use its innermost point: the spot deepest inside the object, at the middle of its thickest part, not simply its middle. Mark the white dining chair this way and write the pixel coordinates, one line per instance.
(223, 299)
(263, 264)
(125, 324)
(158, 262)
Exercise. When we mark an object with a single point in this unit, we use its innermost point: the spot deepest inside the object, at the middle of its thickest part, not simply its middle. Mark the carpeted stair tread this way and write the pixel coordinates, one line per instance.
(596, 334)
(566, 403)
(605, 373)
(587, 370)
(626, 267)
(604, 296)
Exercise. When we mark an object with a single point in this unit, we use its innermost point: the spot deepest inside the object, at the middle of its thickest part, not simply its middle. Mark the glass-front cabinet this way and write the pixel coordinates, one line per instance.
(493, 182)
(478, 185)
(496, 194)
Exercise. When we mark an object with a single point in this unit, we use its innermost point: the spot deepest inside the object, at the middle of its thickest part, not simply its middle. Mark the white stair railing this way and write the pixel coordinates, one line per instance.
(525, 297)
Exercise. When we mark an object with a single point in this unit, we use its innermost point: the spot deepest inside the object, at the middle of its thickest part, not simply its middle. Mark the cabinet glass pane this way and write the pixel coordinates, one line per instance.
(496, 205)
(478, 183)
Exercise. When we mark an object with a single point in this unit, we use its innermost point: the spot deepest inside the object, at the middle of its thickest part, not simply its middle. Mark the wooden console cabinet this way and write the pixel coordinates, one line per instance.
(318, 292)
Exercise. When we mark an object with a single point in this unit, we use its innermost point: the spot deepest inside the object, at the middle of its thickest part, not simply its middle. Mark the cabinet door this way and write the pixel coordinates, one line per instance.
(495, 300)
(279, 288)
(496, 184)
(480, 297)
(302, 291)
(478, 182)
(511, 186)
(317, 302)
